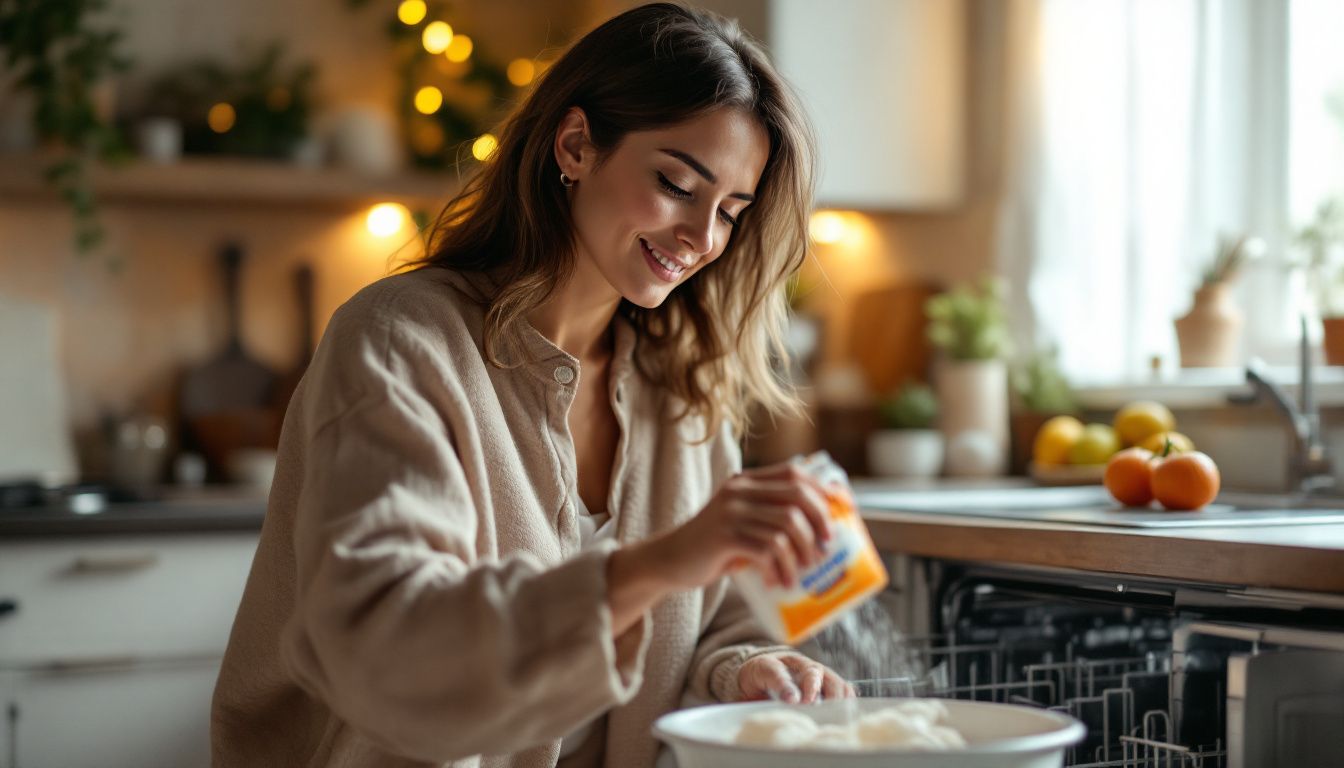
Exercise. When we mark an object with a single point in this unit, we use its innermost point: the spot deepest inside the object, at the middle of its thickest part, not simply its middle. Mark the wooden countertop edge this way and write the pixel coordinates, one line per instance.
(1240, 563)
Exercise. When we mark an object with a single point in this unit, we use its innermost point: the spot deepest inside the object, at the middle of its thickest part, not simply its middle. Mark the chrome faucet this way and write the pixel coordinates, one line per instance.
(1309, 469)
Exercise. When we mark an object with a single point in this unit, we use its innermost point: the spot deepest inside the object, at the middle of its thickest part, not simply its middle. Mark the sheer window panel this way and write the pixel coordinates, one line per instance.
(1139, 131)
(1315, 145)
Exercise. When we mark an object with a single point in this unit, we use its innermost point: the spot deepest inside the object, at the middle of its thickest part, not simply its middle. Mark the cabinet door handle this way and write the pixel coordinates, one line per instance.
(117, 563)
(12, 719)
(8, 605)
(87, 664)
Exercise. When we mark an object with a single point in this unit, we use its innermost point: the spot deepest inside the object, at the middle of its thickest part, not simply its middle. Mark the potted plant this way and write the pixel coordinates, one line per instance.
(907, 442)
(968, 327)
(1040, 392)
(1323, 242)
(59, 56)
(269, 103)
(1209, 332)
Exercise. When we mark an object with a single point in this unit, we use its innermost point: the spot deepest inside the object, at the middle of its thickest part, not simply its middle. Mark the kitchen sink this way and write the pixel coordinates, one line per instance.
(1092, 505)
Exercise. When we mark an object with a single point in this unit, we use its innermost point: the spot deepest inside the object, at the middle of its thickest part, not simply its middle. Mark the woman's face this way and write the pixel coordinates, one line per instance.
(662, 206)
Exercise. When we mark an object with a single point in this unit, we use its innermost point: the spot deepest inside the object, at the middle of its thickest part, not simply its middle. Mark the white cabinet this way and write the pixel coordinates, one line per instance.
(111, 655)
(884, 83)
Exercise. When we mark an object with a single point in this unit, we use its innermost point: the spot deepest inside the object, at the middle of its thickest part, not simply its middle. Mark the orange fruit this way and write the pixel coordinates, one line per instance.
(1142, 418)
(1129, 477)
(1157, 442)
(1185, 481)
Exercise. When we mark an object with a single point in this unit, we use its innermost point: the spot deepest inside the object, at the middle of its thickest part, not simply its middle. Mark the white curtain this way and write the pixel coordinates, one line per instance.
(1138, 130)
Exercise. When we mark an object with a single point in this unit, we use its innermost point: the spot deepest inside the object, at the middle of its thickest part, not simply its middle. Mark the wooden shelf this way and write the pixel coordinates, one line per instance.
(233, 181)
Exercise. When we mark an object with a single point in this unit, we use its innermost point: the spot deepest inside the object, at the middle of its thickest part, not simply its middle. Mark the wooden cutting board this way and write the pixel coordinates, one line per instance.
(226, 403)
(887, 335)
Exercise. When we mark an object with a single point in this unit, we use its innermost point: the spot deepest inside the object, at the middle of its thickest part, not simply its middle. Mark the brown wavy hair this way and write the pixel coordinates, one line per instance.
(716, 342)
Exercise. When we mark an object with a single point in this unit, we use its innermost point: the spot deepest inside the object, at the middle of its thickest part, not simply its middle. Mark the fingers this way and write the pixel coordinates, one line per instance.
(810, 682)
(773, 551)
(834, 686)
(807, 498)
(794, 525)
(766, 677)
(815, 681)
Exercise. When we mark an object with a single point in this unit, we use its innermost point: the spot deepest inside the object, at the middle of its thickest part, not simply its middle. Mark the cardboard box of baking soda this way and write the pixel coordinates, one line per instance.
(848, 573)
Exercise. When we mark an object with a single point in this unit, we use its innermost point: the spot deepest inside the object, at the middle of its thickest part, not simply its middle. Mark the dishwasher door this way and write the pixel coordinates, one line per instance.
(1285, 709)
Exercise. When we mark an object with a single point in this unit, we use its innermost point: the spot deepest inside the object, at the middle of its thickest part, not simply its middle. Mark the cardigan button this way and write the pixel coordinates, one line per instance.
(564, 374)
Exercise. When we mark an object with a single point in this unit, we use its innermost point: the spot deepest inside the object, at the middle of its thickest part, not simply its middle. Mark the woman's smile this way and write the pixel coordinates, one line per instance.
(662, 266)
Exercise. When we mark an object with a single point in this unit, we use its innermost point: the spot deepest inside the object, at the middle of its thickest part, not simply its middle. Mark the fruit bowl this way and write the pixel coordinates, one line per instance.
(1067, 474)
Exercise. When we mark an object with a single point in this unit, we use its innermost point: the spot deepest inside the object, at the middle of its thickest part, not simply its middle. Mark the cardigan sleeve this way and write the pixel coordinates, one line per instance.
(731, 632)
(428, 650)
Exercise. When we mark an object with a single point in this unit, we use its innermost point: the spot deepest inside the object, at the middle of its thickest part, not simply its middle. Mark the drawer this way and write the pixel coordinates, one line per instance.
(150, 715)
(95, 598)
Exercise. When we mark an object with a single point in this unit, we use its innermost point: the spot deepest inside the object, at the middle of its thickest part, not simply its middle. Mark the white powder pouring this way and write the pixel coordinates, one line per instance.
(915, 724)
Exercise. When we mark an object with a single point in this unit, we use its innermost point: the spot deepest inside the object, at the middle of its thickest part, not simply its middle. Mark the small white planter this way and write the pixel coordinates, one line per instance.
(973, 397)
(905, 452)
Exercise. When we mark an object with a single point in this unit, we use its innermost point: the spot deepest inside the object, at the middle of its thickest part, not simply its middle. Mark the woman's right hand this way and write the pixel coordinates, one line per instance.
(774, 518)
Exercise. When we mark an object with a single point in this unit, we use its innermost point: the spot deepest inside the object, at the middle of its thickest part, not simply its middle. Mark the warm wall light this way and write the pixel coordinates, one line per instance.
(221, 117)
(428, 100)
(411, 12)
(521, 71)
(437, 36)
(827, 227)
(386, 219)
(459, 49)
(484, 147)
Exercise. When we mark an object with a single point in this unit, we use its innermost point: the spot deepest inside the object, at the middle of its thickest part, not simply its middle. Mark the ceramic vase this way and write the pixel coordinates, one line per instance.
(1333, 339)
(1209, 333)
(973, 398)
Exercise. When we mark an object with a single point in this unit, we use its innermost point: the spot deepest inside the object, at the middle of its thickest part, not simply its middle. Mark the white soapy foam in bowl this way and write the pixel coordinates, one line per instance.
(828, 735)
(914, 724)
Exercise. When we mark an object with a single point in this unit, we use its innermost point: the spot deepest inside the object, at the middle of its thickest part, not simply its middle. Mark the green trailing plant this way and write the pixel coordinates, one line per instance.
(912, 406)
(1041, 386)
(55, 51)
(968, 322)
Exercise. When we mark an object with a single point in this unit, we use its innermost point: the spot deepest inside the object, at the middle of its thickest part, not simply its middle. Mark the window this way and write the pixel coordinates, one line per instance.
(1139, 132)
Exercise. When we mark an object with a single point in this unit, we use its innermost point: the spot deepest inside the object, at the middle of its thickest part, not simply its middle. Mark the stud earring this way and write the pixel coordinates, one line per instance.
(565, 181)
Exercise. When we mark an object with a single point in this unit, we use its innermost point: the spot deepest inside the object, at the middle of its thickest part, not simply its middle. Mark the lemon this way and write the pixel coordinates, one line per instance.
(1142, 419)
(1095, 446)
(1054, 439)
(1158, 441)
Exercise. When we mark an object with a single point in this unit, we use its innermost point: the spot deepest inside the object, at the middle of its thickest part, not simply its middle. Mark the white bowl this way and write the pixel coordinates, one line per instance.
(997, 735)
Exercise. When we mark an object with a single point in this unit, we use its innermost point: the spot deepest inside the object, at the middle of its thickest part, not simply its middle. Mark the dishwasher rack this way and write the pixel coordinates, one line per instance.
(1122, 701)
(1129, 661)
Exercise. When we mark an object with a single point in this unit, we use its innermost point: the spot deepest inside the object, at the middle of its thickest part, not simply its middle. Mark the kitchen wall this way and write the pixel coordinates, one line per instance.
(938, 247)
(126, 333)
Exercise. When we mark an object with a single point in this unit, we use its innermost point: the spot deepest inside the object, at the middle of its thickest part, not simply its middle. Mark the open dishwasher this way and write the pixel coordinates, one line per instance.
(1162, 674)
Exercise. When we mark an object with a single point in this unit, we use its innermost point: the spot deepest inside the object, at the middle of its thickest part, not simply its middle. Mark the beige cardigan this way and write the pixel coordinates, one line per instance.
(417, 598)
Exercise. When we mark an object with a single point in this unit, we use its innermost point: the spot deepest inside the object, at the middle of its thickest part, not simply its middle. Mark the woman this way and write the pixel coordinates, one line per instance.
(508, 493)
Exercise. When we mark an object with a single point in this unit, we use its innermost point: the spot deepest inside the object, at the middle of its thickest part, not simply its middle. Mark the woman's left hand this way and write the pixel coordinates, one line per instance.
(790, 677)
